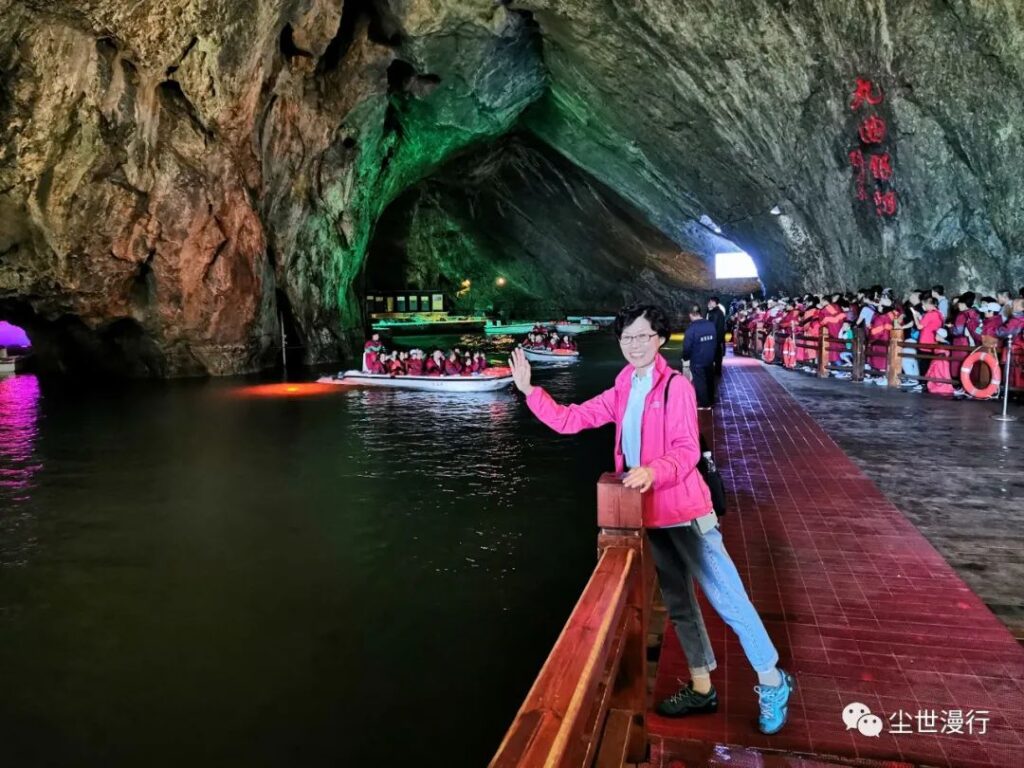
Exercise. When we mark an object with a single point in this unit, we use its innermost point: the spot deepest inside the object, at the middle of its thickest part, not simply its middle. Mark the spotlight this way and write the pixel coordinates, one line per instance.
(500, 282)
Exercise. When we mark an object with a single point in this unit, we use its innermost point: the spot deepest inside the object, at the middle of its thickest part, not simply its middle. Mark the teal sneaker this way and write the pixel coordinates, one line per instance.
(687, 701)
(774, 702)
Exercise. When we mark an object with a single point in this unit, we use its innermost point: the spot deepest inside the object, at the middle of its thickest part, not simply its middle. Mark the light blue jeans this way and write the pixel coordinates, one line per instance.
(683, 554)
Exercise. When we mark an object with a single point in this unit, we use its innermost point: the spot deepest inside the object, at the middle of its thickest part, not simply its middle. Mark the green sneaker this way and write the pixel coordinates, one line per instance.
(687, 701)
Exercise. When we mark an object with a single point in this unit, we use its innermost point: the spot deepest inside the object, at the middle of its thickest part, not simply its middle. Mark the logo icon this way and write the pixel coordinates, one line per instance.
(858, 716)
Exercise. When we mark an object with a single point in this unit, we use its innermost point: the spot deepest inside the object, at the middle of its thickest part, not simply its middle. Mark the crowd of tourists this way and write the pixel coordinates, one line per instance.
(417, 362)
(931, 323)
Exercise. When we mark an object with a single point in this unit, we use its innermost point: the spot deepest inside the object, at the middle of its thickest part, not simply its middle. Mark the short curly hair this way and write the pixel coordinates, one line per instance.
(655, 316)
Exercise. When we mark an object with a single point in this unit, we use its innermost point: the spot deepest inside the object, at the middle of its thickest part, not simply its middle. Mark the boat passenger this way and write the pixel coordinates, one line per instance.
(415, 365)
(452, 366)
(435, 364)
(373, 362)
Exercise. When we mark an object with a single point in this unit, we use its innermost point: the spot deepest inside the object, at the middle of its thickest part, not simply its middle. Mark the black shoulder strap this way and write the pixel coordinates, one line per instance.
(668, 384)
(664, 413)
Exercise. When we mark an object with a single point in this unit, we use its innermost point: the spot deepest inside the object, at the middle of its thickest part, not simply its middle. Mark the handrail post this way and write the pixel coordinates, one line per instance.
(823, 354)
(859, 344)
(894, 359)
(620, 514)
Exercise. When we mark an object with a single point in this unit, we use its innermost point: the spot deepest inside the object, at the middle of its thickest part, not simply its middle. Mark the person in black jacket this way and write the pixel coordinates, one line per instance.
(700, 348)
(716, 314)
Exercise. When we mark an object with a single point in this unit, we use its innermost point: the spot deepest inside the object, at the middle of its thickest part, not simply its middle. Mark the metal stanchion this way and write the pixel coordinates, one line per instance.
(284, 344)
(1006, 385)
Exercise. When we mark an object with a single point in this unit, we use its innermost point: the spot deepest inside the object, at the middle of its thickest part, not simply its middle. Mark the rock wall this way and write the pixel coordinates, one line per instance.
(734, 107)
(167, 165)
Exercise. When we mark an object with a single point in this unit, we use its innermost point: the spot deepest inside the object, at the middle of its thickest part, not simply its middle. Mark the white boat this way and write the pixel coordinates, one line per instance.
(584, 327)
(7, 366)
(497, 326)
(601, 320)
(475, 383)
(437, 322)
(551, 355)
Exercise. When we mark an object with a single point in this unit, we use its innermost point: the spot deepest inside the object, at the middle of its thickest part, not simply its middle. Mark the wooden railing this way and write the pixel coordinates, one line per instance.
(588, 705)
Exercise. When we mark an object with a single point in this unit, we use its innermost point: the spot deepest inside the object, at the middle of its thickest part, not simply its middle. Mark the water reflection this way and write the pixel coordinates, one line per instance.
(19, 404)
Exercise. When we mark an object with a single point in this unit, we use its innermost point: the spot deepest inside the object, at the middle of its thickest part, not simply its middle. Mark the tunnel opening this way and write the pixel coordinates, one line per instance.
(66, 345)
(513, 229)
(732, 265)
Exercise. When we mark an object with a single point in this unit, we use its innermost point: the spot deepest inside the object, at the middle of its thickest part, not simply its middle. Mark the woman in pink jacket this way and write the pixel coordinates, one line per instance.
(656, 439)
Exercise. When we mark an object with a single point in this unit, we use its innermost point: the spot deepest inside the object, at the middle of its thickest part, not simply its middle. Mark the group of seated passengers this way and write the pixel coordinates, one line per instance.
(552, 341)
(415, 362)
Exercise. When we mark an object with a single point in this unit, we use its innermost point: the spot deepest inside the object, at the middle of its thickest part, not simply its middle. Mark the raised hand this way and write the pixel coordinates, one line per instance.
(521, 371)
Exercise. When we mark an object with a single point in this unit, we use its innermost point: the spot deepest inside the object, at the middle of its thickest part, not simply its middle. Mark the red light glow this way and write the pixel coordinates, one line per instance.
(285, 389)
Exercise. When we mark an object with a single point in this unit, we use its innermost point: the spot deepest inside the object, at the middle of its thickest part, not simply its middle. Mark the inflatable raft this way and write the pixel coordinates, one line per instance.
(551, 355)
(490, 380)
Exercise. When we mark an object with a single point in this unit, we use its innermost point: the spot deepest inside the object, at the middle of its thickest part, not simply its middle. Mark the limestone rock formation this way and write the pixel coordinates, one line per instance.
(174, 175)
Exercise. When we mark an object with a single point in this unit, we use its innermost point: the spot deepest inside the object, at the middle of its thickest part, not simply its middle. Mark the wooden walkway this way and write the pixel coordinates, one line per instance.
(861, 606)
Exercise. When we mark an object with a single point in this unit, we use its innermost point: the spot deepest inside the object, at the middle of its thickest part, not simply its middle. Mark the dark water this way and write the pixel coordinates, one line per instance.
(193, 576)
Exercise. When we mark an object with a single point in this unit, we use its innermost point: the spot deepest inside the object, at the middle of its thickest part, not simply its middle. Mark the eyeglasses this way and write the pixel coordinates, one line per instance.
(641, 338)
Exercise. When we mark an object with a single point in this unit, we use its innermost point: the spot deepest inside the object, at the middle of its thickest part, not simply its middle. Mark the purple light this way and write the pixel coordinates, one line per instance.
(13, 336)
(19, 402)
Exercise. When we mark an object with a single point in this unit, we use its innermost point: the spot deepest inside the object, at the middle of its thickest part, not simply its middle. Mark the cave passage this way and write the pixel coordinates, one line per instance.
(512, 228)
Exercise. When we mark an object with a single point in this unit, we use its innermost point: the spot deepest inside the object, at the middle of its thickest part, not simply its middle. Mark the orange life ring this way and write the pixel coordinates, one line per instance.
(497, 370)
(768, 350)
(789, 352)
(980, 355)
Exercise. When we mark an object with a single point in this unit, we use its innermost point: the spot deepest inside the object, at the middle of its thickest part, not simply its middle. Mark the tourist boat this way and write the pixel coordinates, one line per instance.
(539, 355)
(602, 320)
(433, 322)
(491, 380)
(583, 327)
(497, 326)
(12, 363)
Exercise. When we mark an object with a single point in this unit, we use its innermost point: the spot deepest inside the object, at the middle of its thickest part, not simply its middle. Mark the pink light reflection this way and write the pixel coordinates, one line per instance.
(19, 413)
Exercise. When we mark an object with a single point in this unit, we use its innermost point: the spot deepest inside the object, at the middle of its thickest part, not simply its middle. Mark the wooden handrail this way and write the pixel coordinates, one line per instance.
(589, 701)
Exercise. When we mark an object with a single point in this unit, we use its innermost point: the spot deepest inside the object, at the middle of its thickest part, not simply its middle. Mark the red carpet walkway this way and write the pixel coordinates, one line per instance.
(860, 605)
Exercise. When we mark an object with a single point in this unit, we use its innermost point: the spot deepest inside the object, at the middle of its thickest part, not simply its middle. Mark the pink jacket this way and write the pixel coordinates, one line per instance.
(669, 442)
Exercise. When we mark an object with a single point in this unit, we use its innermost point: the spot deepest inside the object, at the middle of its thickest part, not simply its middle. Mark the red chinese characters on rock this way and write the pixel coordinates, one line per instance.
(872, 130)
(881, 167)
(865, 91)
(885, 202)
(871, 153)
